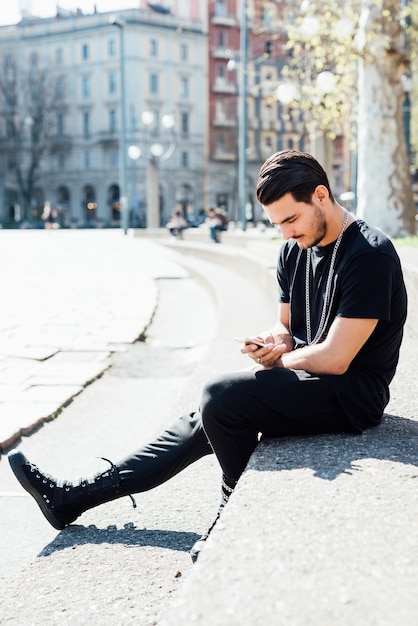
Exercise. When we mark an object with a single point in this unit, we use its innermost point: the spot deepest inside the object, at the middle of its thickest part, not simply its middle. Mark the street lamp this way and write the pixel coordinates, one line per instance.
(157, 153)
(123, 200)
(134, 153)
(242, 138)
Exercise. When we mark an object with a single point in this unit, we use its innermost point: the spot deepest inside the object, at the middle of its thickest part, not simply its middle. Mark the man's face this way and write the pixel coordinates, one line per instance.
(303, 222)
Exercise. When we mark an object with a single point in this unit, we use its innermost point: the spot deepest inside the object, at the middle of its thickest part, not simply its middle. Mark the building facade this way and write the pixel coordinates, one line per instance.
(171, 136)
(273, 121)
(82, 58)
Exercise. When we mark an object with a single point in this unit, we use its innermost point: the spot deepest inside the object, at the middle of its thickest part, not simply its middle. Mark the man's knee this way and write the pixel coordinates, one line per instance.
(211, 395)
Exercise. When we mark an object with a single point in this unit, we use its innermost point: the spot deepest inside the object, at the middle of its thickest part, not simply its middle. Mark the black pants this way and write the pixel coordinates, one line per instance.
(234, 410)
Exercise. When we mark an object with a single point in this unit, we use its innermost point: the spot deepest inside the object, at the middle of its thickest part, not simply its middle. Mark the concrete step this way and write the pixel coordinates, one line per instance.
(320, 530)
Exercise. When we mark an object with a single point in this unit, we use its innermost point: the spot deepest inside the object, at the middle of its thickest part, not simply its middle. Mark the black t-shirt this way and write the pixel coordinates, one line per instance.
(367, 283)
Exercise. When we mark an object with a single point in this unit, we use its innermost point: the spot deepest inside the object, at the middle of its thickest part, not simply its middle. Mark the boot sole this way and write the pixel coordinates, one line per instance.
(17, 460)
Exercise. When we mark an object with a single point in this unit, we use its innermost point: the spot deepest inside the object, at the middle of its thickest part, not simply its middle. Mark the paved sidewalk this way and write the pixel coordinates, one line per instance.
(69, 299)
(119, 565)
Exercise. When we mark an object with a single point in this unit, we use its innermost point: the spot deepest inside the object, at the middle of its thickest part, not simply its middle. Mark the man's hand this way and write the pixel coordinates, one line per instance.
(267, 356)
(277, 341)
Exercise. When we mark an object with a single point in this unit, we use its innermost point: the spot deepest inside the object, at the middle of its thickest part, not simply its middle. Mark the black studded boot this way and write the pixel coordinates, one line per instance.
(62, 501)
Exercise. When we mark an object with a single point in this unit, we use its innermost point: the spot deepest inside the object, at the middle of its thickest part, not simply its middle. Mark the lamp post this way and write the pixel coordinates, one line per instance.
(123, 199)
(157, 153)
(242, 138)
(134, 152)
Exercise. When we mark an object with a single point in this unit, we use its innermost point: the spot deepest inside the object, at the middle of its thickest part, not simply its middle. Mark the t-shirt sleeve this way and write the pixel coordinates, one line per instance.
(282, 274)
(366, 287)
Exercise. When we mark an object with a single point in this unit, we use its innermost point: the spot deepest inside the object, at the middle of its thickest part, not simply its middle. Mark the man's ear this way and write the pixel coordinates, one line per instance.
(321, 193)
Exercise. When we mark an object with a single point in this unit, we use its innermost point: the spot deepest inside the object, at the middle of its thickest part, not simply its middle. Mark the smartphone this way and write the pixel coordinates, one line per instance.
(253, 340)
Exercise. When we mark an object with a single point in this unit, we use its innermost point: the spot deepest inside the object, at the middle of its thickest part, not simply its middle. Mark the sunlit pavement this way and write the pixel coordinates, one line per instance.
(69, 299)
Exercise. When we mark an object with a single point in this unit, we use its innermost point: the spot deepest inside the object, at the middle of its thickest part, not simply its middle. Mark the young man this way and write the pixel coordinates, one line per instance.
(324, 367)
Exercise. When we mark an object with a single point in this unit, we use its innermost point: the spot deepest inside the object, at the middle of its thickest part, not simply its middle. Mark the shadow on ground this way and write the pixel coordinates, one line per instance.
(328, 456)
(78, 535)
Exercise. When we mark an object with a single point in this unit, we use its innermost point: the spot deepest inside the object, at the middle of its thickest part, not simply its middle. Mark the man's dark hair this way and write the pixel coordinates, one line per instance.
(292, 172)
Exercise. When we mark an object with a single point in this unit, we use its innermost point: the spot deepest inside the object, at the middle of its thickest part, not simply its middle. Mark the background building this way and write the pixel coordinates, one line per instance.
(121, 118)
(79, 65)
(273, 119)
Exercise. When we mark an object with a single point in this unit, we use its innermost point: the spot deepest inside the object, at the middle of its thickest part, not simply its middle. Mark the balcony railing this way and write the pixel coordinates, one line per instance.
(220, 18)
(223, 86)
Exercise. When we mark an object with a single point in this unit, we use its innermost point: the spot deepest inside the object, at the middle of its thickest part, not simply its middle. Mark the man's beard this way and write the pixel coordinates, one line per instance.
(318, 226)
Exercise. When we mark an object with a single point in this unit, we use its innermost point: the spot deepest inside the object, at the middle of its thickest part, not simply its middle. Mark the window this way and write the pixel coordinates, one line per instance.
(185, 159)
(87, 160)
(111, 47)
(221, 39)
(85, 51)
(221, 72)
(185, 123)
(8, 62)
(220, 8)
(60, 88)
(153, 48)
(10, 129)
(268, 112)
(184, 52)
(60, 124)
(59, 56)
(221, 109)
(61, 161)
(220, 143)
(86, 123)
(113, 157)
(153, 83)
(184, 87)
(112, 120)
(34, 59)
(85, 86)
(112, 82)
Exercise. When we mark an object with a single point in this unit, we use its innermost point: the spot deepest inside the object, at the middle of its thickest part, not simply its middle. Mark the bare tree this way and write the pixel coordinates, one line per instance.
(29, 104)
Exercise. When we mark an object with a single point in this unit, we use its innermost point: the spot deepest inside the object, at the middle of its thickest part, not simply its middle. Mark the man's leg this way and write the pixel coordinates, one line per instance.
(156, 462)
(212, 230)
(236, 407)
(277, 402)
(62, 501)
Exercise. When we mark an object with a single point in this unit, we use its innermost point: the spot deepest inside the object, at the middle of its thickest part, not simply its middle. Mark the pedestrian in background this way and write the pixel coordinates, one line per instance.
(177, 224)
(49, 215)
(217, 220)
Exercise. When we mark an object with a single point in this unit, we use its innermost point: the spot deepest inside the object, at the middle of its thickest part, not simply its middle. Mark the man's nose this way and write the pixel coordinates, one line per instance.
(287, 232)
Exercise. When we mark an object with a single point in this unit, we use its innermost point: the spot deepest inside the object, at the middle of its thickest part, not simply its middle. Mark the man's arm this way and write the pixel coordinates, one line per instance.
(280, 333)
(335, 354)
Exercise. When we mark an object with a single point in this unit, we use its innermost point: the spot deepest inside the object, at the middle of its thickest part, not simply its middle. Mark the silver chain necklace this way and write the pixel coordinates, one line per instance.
(327, 293)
